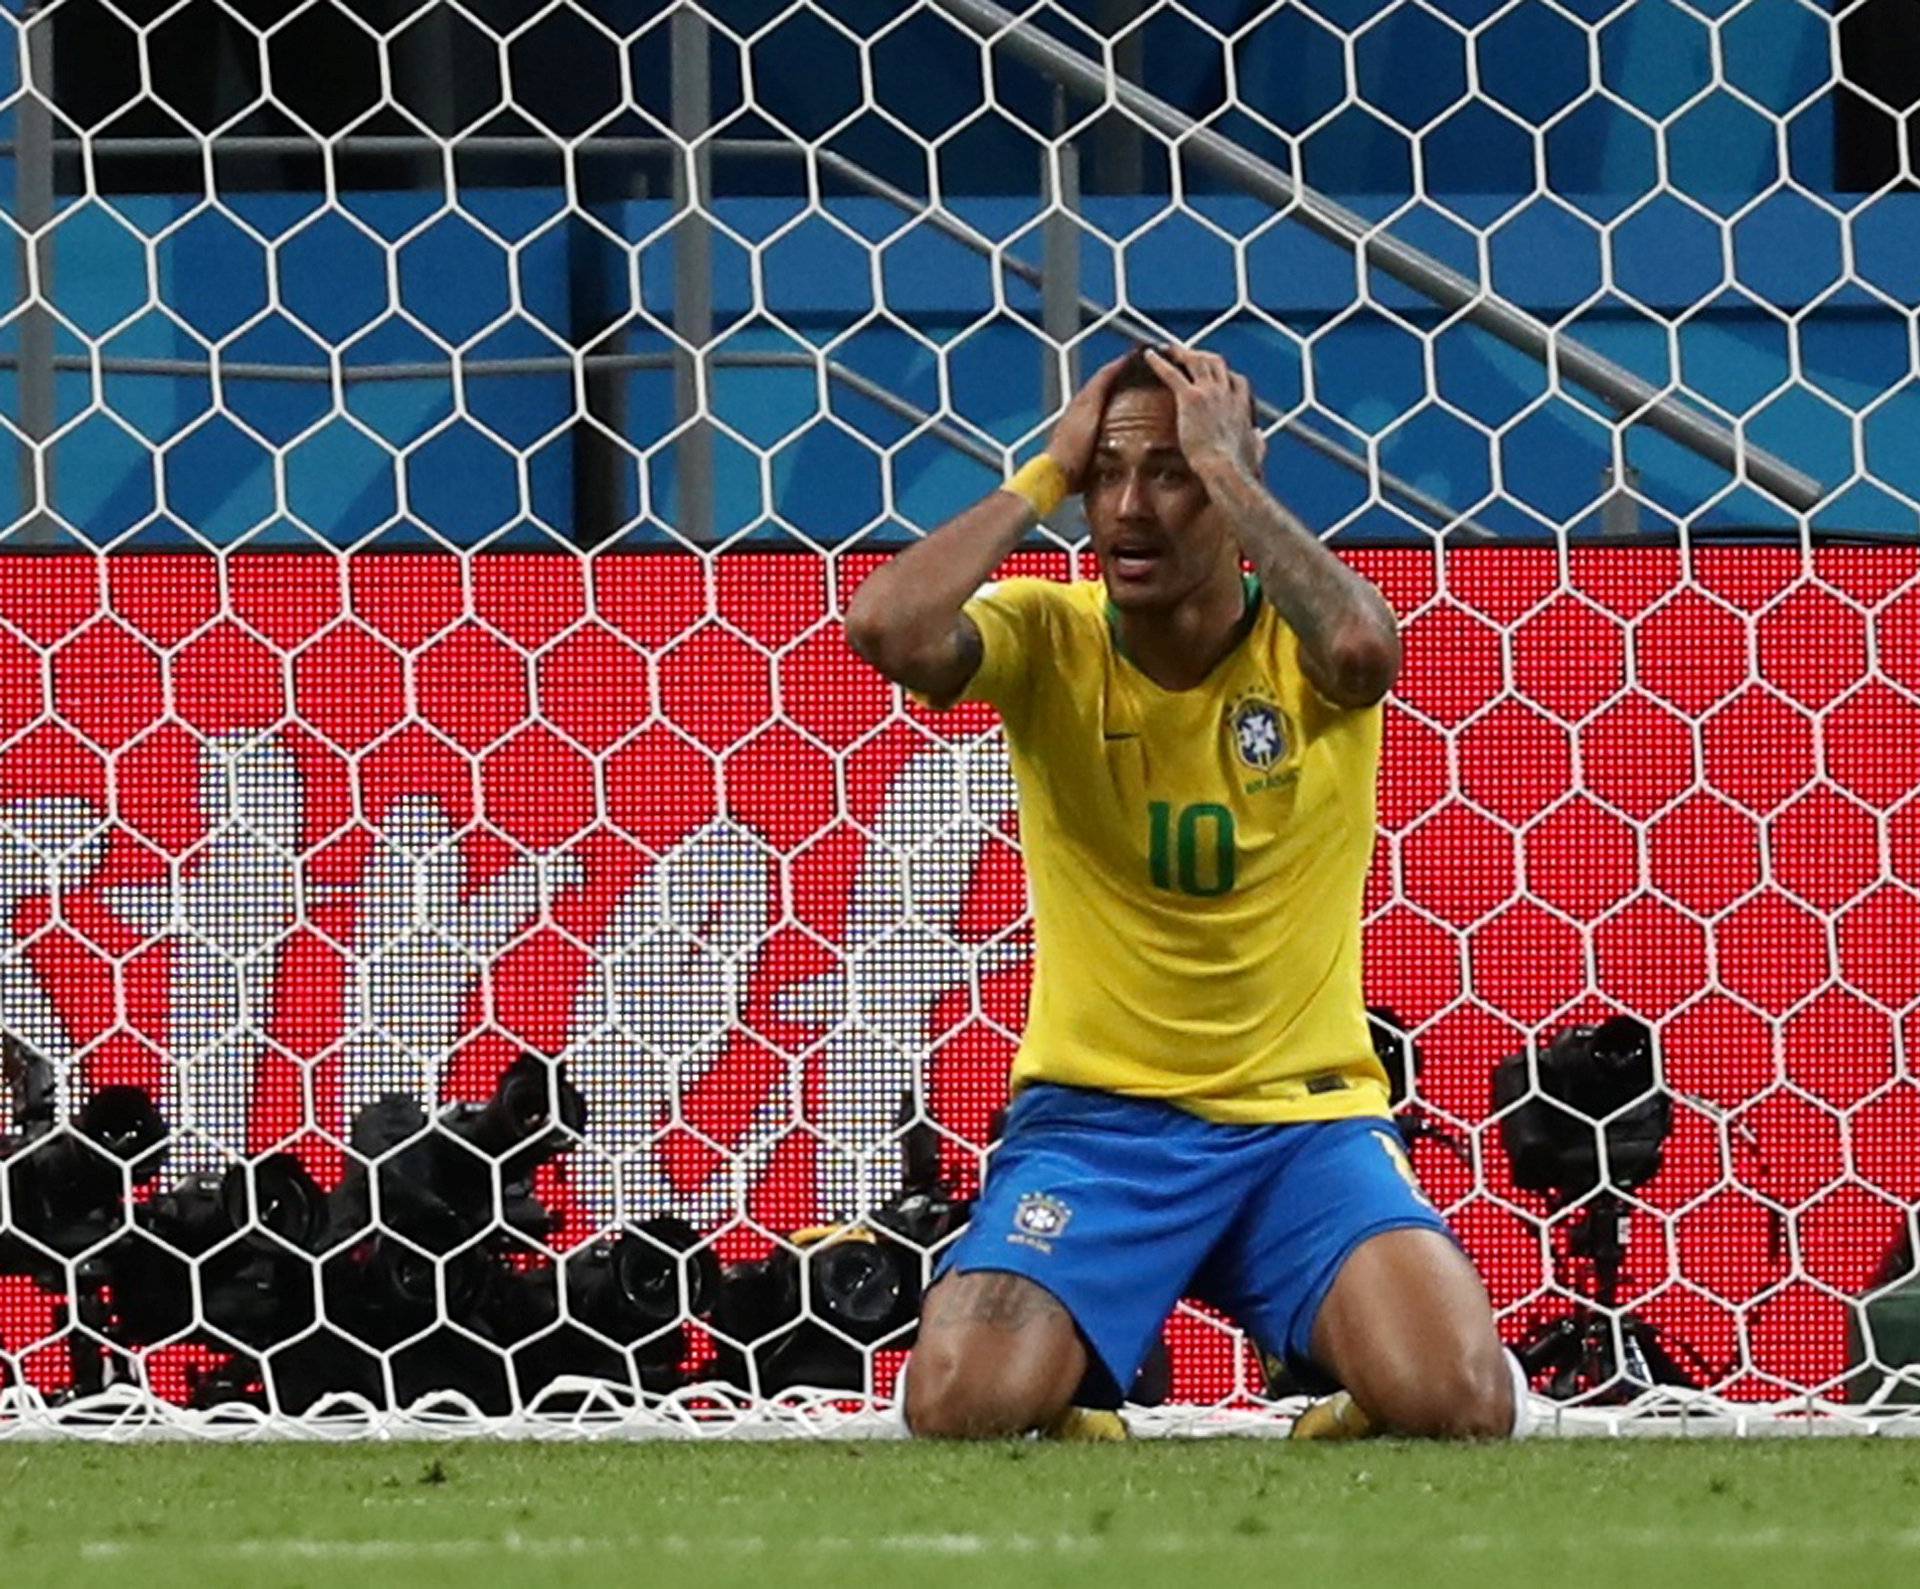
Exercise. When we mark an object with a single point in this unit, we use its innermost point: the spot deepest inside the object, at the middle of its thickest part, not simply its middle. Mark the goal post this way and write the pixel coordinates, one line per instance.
(480, 952)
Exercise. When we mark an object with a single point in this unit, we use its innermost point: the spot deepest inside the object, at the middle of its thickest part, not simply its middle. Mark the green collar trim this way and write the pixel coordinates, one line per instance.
(1250, 614)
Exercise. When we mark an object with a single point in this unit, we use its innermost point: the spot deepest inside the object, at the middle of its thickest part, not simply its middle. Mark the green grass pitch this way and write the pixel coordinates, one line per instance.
(1831, 1514)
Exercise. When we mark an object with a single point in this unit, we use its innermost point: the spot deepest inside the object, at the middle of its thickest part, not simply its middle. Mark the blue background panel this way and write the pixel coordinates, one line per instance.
(1728, 285)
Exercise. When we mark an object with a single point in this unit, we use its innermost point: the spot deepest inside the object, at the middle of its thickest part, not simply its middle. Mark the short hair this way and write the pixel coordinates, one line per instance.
(1137, 375)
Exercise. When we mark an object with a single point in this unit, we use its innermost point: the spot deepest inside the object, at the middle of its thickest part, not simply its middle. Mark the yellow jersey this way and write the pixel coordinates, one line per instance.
(1195, 863)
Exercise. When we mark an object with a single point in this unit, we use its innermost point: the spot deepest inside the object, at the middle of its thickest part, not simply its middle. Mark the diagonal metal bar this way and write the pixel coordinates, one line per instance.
(1635, 398)
(1142, 329)
(566, 364)
(881, 396)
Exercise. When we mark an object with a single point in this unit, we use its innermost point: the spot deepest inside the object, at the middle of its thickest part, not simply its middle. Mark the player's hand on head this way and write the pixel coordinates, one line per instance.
(1078, 427)
(1215, 407)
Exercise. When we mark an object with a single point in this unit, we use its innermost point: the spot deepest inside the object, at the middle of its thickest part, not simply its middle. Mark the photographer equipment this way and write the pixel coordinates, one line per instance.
(278, 1195)
(1589, 1086)
(644, 1280)
(535, 1113)
(415, 1249)
(1554, 1099)
(1883, 1330)
(441, 1182)
(418, 1235)
(1400, 1058)
(256, 1280)
(628, 1301)
(66, 1193)
(66, 1183)
(806, 1316)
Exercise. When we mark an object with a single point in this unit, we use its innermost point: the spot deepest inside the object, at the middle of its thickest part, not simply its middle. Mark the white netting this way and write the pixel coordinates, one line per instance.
(445, 436)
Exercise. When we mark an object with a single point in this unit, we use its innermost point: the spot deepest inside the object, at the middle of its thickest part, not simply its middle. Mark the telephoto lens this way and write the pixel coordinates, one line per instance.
(65, 1184)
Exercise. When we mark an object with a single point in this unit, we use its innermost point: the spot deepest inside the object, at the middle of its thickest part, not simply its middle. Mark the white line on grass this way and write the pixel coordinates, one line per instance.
(1853, 1541)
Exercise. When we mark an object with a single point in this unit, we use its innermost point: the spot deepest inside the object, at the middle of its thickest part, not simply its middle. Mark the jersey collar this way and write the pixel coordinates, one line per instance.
(1250, 615)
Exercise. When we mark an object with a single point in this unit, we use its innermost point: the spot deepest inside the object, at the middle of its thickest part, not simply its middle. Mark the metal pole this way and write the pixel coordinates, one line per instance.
(1634, 398)
(896, 405)
(1060, 268)
(556, 364)
(692, 272)
(436, 89)
(600, 461)
(106, 152)
(33, 210)
(1620, 508)
(1121, 152)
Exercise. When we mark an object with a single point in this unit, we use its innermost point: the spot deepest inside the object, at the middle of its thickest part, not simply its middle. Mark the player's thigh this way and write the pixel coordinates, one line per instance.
(997, 1352)
(1107, 1206)
(1335, 1187)
(1407, 1328)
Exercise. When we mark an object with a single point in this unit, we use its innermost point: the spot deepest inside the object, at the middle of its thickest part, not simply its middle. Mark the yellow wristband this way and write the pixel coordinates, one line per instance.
(1041, 483)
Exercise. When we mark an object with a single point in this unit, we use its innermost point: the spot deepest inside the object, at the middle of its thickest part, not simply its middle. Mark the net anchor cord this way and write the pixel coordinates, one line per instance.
(1636, 400)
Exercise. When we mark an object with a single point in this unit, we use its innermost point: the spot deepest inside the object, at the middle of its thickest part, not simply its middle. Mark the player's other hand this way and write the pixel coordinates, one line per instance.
(1215, 408)
(1078, 427)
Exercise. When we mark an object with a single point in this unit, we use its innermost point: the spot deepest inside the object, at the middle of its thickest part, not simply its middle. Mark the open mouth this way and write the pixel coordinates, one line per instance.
(1134, 559)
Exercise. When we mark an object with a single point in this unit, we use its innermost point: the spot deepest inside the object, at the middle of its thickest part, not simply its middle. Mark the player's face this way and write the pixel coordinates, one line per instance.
(1153, 531)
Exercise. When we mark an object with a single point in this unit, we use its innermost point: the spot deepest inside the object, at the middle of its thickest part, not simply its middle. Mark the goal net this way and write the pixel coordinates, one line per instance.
(479, 951)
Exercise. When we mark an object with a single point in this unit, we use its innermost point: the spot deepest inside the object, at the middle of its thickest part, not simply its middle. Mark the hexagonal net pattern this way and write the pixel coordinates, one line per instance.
(479, 950)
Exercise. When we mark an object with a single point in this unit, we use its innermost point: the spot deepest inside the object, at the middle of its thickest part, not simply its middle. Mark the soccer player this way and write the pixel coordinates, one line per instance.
(1198, 1109)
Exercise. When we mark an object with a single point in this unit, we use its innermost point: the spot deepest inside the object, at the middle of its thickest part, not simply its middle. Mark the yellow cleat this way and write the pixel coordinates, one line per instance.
(1338, 1417)
(1086, 1423)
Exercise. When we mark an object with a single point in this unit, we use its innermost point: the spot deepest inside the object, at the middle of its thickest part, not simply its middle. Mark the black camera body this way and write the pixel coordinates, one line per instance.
(67, 1184)
(1585, 1075)
(255, 1285)
(428, 1268)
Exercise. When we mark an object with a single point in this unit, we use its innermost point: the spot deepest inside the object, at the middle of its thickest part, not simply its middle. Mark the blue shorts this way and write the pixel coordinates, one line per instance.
(1122, 1206)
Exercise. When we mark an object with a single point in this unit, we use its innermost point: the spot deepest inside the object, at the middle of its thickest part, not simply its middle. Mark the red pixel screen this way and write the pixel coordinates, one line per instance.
(287, 832)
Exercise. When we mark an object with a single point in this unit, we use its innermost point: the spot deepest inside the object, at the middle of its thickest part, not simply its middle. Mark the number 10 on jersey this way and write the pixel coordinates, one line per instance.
(1194, 851)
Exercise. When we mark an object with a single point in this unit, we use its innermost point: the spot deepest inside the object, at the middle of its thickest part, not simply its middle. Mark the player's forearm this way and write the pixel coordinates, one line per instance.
(904, 611)
(1349, 639)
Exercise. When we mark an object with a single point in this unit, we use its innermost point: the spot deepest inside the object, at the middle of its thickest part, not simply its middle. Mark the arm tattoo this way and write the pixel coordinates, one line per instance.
(1003, 1301)
(945, 682)
(1321, 598)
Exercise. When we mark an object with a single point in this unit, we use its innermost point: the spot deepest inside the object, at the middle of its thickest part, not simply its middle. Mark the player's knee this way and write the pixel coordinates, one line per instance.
(936, 1393)
(1466, 1396)
(952, 1398)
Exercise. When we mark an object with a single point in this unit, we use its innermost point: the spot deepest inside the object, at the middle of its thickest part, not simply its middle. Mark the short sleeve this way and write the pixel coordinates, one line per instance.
(1011, 616)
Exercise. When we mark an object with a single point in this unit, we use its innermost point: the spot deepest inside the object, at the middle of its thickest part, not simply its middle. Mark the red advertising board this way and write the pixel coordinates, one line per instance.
(284, 832)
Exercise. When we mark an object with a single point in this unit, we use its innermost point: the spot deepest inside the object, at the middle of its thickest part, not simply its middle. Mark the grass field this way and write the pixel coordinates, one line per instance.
(1553, 1514)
